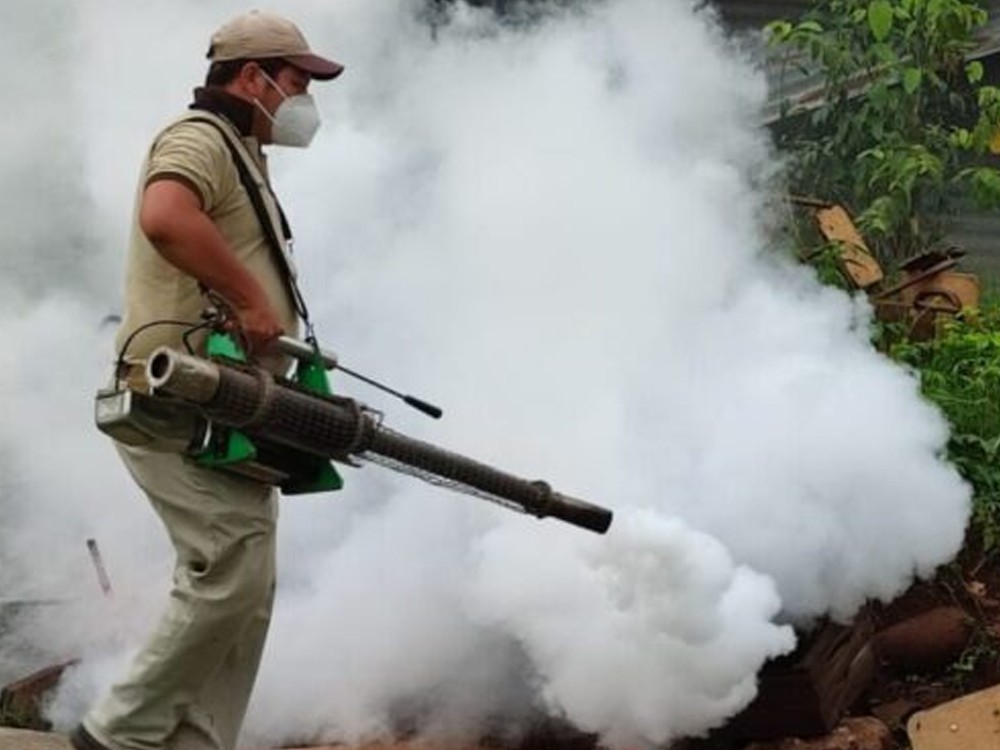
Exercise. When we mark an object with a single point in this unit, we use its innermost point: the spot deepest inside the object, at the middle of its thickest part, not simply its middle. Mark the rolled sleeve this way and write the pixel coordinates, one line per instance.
(195, 154)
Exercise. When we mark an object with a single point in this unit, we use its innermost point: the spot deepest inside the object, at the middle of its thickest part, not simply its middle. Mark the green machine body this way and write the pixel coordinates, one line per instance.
(230, 449)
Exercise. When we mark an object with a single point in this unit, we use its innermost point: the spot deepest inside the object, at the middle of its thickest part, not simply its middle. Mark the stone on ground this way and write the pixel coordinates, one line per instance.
(863, 733)
(22, 739)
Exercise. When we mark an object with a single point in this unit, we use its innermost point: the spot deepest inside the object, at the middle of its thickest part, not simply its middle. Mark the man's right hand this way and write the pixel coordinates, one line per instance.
(172, 218)
(258, 326)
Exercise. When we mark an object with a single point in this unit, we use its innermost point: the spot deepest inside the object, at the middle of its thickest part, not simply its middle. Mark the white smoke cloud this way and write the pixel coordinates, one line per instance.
(558, 232)
(648, 635)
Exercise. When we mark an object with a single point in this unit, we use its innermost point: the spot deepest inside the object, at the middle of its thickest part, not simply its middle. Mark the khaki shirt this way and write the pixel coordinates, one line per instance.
(155, 289)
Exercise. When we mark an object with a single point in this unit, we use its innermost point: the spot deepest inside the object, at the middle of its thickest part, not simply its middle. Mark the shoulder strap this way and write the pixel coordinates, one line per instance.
(253, 190)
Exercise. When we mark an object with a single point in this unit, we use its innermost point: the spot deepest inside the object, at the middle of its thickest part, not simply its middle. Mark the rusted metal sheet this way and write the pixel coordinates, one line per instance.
(21, 701)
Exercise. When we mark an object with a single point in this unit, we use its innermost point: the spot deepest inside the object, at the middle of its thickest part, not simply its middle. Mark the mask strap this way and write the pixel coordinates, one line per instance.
(274, 83)
(263, 109)
(277, 88)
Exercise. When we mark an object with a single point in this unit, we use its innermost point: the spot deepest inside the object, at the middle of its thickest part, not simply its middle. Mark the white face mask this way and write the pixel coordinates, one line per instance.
(296, 120)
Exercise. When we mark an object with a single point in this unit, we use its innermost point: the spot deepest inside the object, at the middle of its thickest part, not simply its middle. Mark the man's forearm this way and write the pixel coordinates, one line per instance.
(172, 219)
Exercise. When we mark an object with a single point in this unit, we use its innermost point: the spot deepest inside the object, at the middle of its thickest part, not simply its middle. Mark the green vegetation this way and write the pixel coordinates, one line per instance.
(960, 372)
(902, 119)
(899, 137)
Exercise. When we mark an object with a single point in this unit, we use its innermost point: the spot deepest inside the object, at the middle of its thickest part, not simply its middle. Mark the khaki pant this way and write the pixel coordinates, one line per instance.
(188, 688)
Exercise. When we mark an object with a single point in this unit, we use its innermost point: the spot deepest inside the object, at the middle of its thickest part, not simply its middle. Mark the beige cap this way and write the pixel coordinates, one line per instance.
(258, 35)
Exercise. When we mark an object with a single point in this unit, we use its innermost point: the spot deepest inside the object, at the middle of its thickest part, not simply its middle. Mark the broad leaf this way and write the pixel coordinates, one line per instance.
(880, 19)
(810, 26)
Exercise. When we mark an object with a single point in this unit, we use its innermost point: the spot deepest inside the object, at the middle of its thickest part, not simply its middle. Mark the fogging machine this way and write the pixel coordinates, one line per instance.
(228, 414)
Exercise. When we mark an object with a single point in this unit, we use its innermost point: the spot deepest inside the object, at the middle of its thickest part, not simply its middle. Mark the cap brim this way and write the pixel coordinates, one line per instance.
(318, 67)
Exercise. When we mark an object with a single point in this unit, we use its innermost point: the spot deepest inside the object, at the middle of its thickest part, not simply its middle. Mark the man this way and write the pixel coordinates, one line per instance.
(207, 231)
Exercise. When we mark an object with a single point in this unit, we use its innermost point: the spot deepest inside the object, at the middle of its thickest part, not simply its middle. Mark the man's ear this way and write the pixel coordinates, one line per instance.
(251, 79)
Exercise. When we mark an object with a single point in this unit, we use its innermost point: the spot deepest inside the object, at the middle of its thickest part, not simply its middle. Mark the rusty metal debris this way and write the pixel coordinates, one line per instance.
(929, 288)
(21, 701)
(808, 692)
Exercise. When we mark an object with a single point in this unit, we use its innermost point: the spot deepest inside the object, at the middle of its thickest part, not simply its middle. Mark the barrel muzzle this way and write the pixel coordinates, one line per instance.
(580, 513)
(192, 378)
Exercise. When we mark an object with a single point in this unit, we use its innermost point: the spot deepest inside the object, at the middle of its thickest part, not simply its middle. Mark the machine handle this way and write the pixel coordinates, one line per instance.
(303, 350)
(429, 409)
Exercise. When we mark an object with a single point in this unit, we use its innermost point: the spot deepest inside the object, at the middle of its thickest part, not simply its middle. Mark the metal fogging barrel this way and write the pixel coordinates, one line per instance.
(254, 402)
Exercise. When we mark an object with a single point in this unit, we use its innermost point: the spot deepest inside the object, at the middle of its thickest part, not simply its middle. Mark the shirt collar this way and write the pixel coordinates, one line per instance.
(220, 102)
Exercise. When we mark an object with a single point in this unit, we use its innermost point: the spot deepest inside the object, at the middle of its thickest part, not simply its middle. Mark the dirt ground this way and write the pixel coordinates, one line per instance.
(938, 641)
(963, 665)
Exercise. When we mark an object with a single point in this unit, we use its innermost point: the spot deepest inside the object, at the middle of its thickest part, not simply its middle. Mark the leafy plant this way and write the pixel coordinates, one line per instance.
(902, 115)
(960, 372)
(979, 653)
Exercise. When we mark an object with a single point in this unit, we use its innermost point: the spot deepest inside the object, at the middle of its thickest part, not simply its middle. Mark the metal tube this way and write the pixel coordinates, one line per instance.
(303, 350)
(251, 401)
(333, 427)
(534, 497)
(193, 378)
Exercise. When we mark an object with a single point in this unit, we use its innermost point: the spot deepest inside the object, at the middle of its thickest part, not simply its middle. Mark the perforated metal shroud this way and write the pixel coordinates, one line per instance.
(339, 428)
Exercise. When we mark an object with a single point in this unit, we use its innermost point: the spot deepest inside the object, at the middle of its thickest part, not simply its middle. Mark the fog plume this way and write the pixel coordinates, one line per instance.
(559, 230)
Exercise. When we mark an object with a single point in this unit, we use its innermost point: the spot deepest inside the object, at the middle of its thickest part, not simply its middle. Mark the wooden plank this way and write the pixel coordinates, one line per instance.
(971, 722)
(856, 259)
